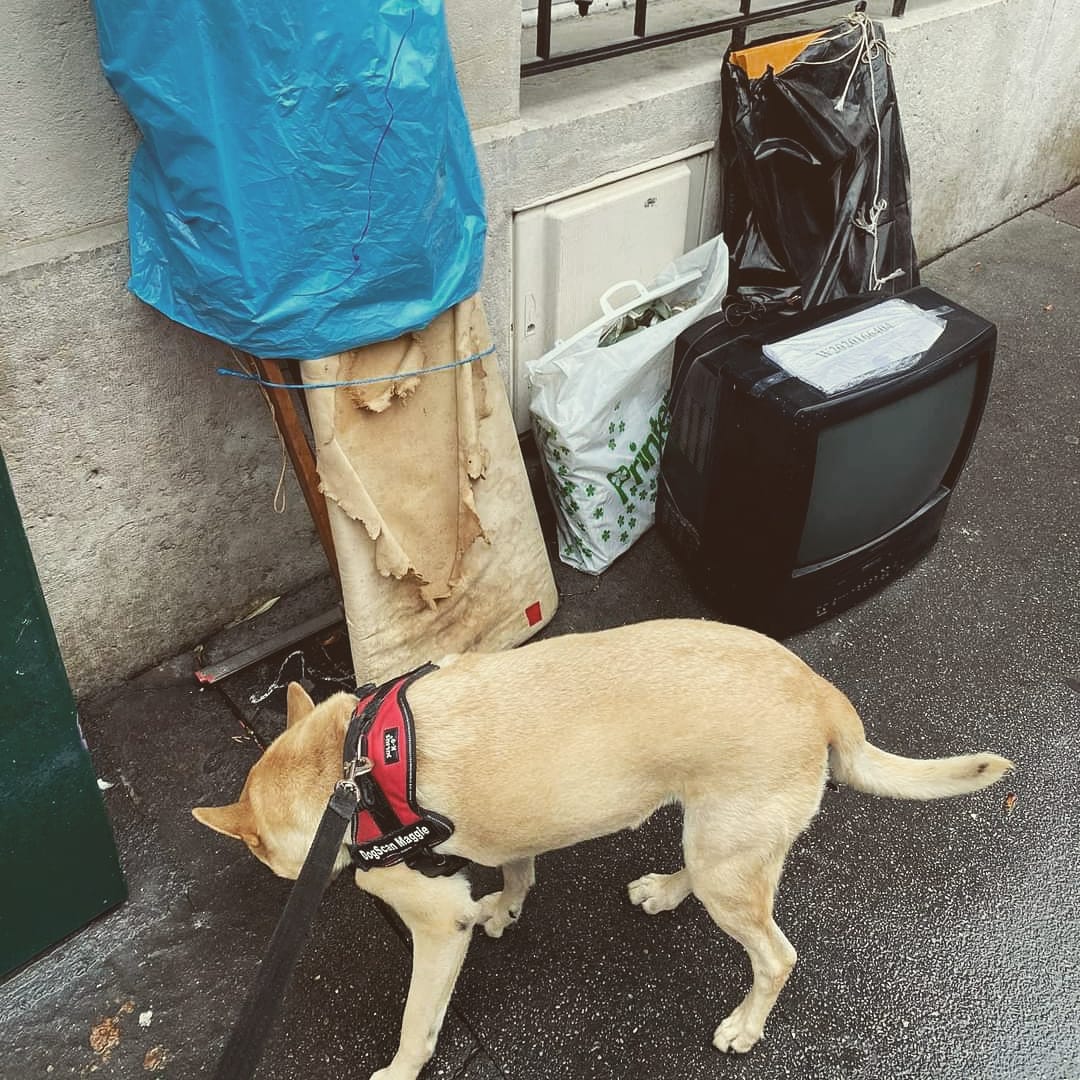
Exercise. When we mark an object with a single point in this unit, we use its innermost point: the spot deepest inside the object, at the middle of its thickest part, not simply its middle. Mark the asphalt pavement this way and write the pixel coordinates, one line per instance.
(936, 940)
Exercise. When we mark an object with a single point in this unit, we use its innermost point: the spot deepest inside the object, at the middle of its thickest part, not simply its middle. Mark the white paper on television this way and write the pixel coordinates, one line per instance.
(871, 344)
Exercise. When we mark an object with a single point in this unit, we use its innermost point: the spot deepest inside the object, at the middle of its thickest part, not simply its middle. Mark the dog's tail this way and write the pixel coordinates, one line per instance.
(854, 761)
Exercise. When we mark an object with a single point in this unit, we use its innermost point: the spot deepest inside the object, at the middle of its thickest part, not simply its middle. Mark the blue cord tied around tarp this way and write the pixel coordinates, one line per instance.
(397, 376)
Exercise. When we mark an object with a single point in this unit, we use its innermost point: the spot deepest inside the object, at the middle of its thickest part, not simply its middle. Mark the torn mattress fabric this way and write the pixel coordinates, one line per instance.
(434, 524)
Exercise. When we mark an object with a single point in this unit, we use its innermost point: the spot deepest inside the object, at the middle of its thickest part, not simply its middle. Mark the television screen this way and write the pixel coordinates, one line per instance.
(871, 470)
(787, 503)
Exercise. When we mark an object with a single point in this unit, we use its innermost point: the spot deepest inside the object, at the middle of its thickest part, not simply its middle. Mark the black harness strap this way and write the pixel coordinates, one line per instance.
(244, 1048)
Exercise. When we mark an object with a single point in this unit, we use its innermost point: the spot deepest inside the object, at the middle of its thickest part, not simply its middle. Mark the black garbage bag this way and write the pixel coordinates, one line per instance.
(816, 201)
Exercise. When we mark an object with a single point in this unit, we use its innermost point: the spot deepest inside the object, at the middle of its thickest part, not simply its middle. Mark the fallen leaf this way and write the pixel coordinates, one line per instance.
(105, 1036)
(1009, 803)
(155, 1059)
(254, 612)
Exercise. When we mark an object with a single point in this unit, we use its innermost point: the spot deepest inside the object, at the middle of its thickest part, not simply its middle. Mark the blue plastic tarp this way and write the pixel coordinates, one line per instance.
(306, 181)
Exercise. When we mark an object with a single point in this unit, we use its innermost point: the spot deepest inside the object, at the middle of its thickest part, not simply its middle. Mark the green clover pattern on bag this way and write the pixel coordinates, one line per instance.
(592, 510)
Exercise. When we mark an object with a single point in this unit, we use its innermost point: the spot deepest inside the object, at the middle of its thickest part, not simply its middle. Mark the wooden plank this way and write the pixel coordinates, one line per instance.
(291, 429)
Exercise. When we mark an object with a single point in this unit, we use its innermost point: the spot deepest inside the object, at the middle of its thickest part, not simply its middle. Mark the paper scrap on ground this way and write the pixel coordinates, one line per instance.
(881, 340)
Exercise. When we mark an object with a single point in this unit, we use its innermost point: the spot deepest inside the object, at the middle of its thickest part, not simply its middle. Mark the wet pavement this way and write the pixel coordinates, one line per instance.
(936, 940)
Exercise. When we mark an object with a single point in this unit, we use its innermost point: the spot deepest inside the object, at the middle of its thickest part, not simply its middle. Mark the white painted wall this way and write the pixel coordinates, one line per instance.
(145, 480)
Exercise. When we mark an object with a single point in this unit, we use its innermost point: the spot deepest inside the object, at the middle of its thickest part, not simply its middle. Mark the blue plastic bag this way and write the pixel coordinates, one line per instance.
(306, 181)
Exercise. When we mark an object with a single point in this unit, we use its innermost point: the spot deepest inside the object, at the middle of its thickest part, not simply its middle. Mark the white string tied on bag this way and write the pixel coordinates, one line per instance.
(866, 50)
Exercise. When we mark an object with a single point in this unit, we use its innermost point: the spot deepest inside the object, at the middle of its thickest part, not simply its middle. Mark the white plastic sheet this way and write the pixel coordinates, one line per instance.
(881, 340)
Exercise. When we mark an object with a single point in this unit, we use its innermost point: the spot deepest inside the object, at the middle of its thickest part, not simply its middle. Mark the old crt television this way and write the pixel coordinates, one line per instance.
(787, 505)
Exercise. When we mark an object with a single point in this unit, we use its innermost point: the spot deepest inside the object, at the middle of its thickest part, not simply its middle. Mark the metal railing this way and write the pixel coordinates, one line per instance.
(642, 39)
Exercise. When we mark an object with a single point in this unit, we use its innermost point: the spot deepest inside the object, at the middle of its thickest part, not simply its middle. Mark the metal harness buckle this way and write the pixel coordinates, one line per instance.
(361, 766)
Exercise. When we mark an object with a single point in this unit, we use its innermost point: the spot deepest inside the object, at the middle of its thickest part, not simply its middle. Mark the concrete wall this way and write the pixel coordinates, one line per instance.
(146, 481)
(990, 108)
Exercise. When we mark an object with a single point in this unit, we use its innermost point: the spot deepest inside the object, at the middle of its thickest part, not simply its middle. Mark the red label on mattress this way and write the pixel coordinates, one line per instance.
(532, 613)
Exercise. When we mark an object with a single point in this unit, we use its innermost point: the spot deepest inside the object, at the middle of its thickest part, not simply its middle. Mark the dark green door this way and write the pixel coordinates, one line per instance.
(57, 855)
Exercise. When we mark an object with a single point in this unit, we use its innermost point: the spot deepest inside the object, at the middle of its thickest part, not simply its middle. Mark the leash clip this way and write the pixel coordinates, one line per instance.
(361, 766)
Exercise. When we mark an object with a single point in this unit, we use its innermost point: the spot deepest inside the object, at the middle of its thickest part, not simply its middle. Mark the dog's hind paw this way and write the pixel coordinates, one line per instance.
(495, 916)
(659, 892)
(735, 1035)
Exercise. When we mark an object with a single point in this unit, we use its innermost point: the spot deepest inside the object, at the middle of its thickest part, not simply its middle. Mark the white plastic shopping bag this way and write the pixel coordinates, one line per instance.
(600, 411)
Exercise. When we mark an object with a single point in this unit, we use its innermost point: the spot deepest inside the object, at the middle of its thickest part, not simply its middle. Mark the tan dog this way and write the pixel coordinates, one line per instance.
(578, 736)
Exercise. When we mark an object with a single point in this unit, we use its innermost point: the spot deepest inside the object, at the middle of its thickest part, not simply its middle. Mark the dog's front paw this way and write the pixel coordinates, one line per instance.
(496, 916)
(735, 1035)
(659, 892)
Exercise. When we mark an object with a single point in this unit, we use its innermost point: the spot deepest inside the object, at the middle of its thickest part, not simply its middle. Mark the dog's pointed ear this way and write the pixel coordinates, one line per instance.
(233, 820)
(299, 704)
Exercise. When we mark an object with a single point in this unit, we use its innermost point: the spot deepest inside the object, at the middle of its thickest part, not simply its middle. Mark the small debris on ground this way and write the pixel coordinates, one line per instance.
(155, 1059)
(255, 612)
(105, 1034)
(146, 1017)
(1008, 803)
(105, 1037)
(308, 677)
(104, 785)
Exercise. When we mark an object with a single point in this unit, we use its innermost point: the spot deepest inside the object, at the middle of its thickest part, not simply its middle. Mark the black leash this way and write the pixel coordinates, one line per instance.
(244, 1048)
(245, 1045)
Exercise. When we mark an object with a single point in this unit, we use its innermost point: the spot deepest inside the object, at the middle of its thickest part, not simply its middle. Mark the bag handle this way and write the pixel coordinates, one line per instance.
(605, 320)
(605, 300)
(643, 295)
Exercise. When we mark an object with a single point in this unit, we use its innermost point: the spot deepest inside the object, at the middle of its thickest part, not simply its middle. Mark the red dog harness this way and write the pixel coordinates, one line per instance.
(389, 827)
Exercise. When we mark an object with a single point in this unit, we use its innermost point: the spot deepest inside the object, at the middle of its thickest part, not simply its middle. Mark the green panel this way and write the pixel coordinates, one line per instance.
(59, 862)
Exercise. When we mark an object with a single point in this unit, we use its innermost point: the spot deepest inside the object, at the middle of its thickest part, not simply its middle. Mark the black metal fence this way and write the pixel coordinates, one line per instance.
(642, 39)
